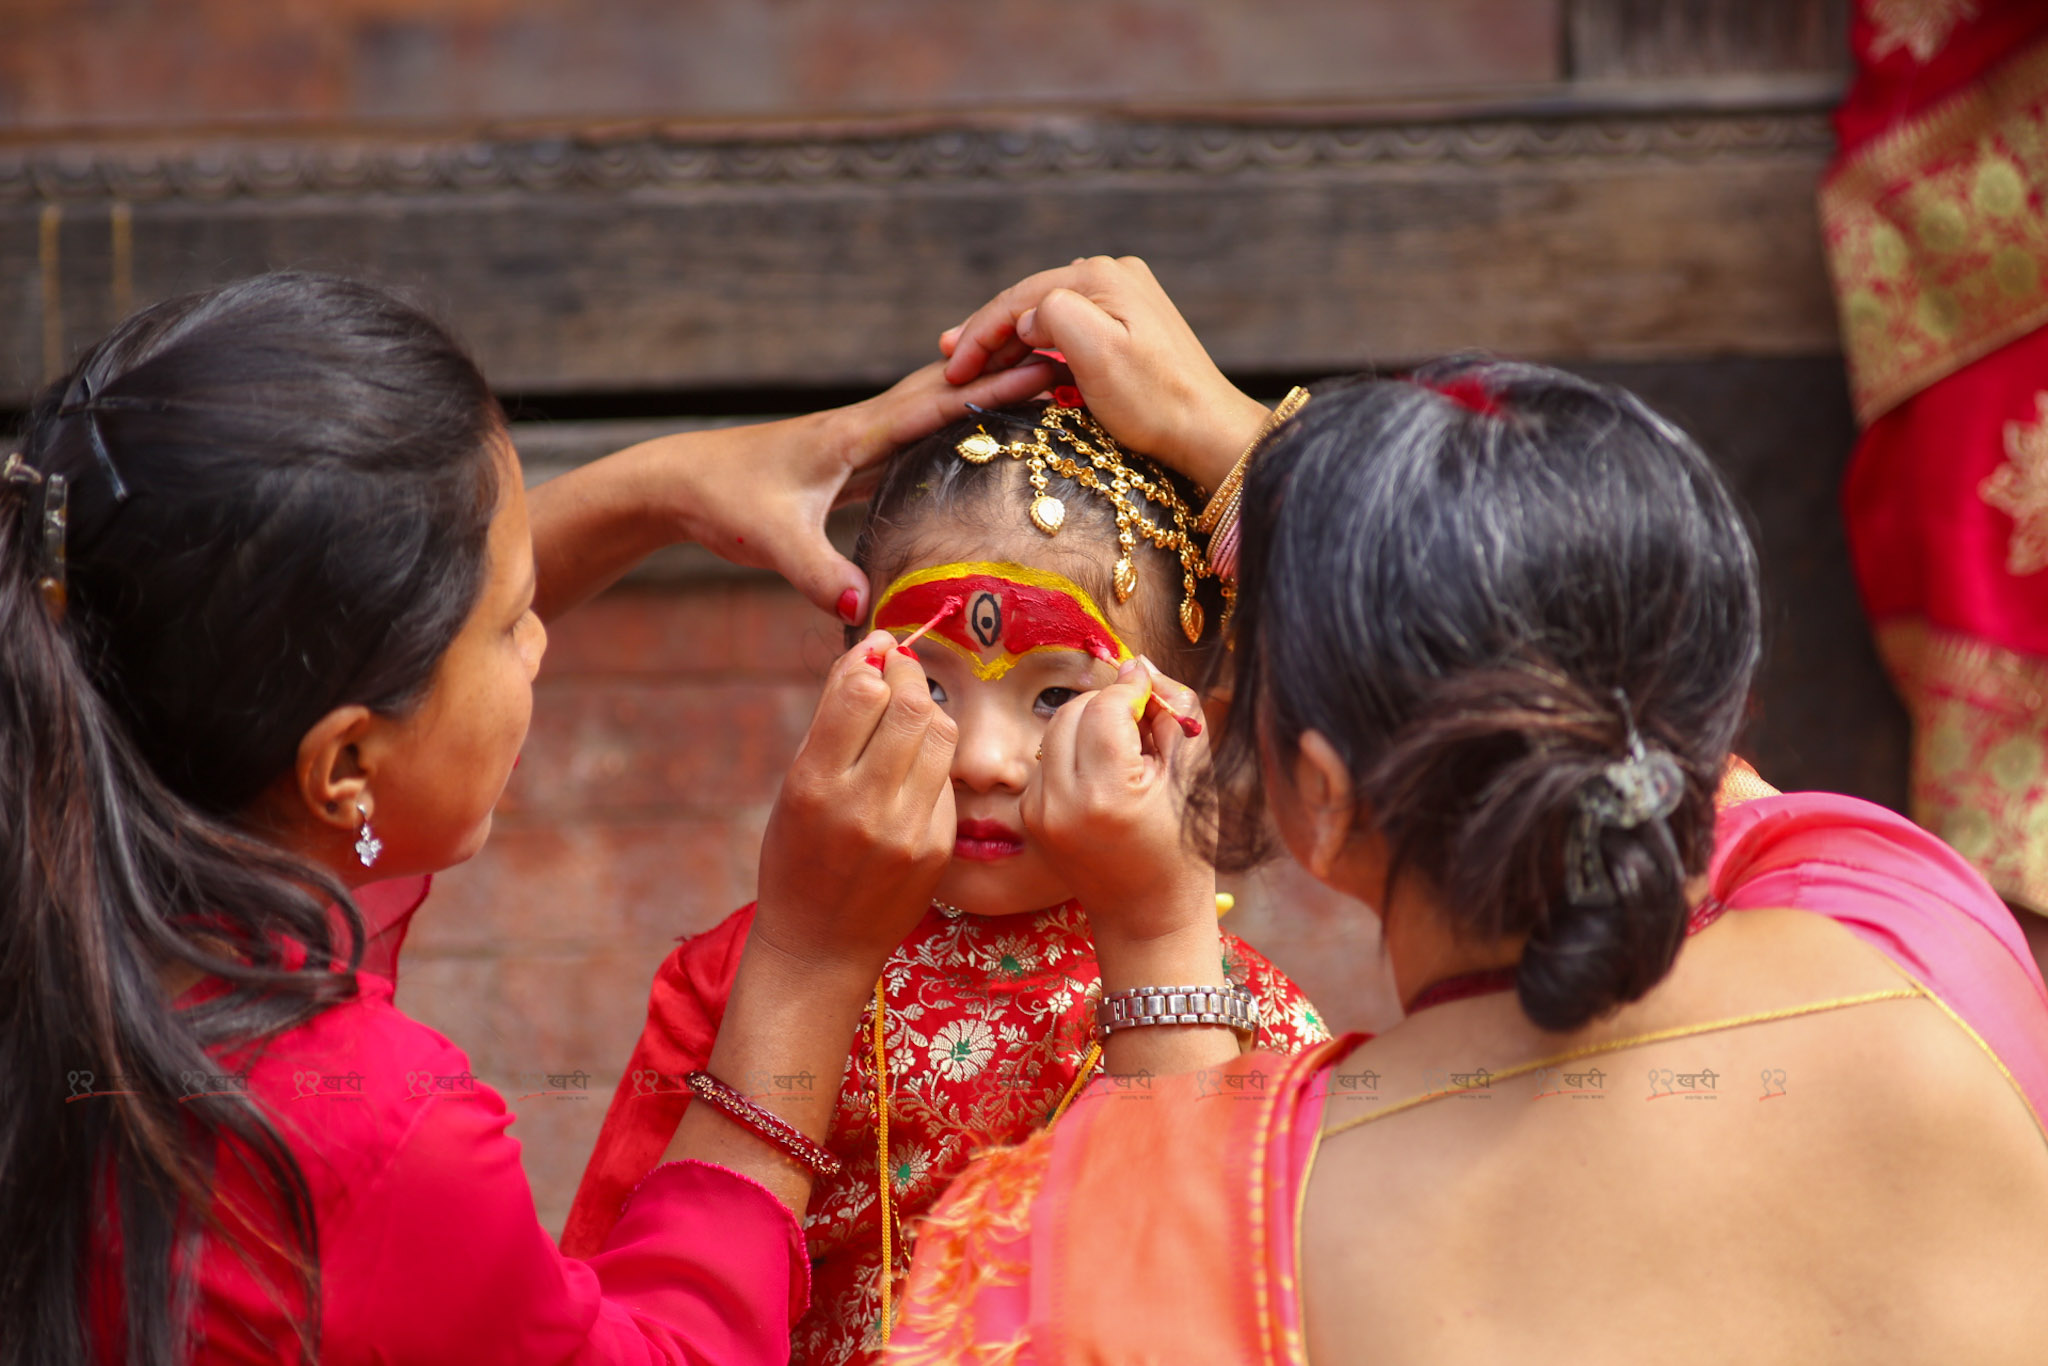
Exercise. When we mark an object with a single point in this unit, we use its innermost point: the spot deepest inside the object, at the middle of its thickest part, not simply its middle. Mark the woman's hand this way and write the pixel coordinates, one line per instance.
(1106, 807)
(859, 835)
(756, 495)
(1138, 365)
(864, 823)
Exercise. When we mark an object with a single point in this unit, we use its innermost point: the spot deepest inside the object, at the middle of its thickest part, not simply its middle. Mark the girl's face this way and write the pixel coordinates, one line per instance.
(1023, 642)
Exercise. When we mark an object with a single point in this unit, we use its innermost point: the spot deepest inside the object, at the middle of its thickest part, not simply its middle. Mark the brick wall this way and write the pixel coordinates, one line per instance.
(662, 723)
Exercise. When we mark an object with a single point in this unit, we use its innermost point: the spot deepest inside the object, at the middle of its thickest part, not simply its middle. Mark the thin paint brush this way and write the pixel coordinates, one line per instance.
(951, 606)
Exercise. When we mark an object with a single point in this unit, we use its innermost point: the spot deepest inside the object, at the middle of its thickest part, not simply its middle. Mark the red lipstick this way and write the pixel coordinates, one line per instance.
(986, 841)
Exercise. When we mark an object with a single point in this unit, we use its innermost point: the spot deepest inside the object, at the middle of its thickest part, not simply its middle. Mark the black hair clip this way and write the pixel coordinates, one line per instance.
(84, 405)
(1015, 421)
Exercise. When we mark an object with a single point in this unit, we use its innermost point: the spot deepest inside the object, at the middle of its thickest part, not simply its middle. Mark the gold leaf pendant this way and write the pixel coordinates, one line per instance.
(1126, 578)
(979, 448)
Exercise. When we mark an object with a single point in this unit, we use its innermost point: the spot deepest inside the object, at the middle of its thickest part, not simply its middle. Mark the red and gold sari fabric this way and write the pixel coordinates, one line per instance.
(1936, 220)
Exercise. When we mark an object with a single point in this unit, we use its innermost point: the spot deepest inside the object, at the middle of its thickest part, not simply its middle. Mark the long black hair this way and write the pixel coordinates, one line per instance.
(278, 499)
(1480, 585)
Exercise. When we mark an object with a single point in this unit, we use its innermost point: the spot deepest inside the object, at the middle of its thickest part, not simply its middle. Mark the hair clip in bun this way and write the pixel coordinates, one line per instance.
(1646, 786)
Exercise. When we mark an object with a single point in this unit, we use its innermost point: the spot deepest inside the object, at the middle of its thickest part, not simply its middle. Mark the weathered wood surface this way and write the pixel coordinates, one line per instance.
(816, 257)
(135, 64)
(1619, 39)
(679, 259)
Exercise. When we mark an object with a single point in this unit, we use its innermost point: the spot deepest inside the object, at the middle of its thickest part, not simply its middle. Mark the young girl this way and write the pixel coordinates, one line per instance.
(1029, 557)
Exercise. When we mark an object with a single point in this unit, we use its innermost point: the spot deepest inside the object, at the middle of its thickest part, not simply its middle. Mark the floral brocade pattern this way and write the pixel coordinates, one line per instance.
(1937, 236)
(1921, 27)
(1980, 761)
(2019, 489)
(988, 1022)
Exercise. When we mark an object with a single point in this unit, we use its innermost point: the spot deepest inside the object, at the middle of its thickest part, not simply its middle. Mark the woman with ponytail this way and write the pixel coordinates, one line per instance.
(269, 602)
(1689, 1069)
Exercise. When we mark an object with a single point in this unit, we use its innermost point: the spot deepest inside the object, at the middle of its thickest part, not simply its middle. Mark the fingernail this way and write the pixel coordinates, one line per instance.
(906, 650)
(1024, 322)
(876, 658)
(849, 606)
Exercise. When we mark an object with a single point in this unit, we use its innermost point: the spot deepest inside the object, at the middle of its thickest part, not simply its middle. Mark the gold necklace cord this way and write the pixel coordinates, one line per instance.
(1636, 1041)
(1081, 1079)
(888, 1210)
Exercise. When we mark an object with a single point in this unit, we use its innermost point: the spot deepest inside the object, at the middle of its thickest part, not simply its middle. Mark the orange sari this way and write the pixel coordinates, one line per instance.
(1201, 1177)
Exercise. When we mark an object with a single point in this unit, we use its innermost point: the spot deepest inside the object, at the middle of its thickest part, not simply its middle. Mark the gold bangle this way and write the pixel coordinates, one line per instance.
(1225, 499)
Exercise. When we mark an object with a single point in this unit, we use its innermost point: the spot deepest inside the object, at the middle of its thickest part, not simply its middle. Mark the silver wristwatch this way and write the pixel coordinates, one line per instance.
(1226, 1005)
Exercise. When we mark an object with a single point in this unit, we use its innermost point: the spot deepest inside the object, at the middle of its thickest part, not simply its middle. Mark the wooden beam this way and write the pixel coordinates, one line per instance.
(655, 258)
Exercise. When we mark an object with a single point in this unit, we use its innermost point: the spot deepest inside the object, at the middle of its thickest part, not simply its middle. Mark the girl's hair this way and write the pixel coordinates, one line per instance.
(280, 493)
(927, 482)
(1479, 587)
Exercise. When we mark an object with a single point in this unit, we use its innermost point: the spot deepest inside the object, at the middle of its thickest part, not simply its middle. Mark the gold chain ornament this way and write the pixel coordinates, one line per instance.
(1093, 460)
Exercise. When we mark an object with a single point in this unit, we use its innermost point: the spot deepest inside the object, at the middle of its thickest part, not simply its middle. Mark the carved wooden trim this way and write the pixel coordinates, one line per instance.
(1048, 146)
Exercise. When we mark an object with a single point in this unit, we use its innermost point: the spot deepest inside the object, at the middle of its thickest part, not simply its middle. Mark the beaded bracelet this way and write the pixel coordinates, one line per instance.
(1219, 516)
(769, 1128)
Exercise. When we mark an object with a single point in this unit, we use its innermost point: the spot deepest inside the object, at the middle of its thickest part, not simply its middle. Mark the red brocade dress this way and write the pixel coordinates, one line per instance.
(1936, 222)
(988, 1021)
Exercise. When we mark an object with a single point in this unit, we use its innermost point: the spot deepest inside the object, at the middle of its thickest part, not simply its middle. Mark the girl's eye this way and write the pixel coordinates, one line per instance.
(1052, 699)
(938, 692)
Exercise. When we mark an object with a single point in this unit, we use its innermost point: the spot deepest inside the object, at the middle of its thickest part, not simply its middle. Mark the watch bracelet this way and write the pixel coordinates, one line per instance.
(1137, 1007)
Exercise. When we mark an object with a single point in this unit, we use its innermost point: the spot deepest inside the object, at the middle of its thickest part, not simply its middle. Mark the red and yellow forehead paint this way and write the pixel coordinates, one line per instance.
(1006, 612)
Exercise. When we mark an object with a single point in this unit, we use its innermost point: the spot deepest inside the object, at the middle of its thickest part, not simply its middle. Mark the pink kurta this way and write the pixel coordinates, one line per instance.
(430, 1250)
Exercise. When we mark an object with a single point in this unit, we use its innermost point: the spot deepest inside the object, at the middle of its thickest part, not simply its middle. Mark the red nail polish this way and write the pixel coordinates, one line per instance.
(876, 658)
(1067, 396)
(849, 605)
(906, 650)
(1190, 726)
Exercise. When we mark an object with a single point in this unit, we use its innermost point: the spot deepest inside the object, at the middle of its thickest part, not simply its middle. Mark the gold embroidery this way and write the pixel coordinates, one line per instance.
(1920, 26)
(2019, 489)
(1937, 236)
(1980, 751)
(975, 1240)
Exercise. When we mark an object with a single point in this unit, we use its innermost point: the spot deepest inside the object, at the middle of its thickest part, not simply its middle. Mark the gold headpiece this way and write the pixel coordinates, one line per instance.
(1101, 466)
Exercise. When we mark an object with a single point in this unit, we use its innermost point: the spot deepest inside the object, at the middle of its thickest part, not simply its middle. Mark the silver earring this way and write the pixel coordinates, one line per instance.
(368, 846)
